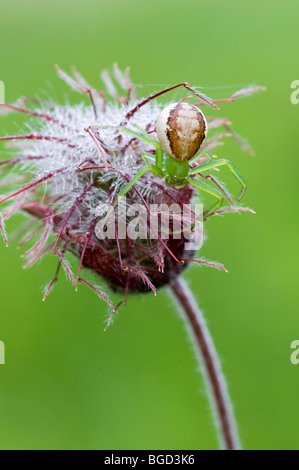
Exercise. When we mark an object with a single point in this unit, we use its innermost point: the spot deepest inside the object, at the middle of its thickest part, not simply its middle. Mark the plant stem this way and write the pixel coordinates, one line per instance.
(215, 381)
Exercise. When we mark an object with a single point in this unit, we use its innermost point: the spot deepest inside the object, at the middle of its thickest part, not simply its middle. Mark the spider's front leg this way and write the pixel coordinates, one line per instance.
(218, 163)
(157, 171)
(144, 137)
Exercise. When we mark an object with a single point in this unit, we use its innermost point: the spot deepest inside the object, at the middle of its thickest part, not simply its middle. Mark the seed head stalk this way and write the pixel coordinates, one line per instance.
(210, 364)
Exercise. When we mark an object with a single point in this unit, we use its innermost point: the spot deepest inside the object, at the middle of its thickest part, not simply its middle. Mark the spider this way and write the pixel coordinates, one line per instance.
(181, 129)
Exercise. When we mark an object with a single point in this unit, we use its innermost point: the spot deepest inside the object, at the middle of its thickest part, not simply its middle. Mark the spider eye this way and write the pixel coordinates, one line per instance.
(181, 129)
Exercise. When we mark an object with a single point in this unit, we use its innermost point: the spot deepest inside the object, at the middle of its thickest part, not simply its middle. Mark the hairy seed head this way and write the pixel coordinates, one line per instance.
(73, 159)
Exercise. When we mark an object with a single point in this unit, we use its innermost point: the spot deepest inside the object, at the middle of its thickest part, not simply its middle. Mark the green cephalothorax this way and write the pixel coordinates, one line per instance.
(176, 171)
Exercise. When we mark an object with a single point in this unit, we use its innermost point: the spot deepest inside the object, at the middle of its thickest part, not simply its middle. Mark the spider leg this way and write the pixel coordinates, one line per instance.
(138, 175)
(147, 139)
(141, 130)
(218, 163)
(129, 186)
(143, 136)
(208, 189)
(146, 157)
(206, 154)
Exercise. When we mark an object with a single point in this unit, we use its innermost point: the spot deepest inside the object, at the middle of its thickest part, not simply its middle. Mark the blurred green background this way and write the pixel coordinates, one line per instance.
(67, 384)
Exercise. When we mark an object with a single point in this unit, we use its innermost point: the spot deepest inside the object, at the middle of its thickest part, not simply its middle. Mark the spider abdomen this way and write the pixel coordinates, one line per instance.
(181, 128)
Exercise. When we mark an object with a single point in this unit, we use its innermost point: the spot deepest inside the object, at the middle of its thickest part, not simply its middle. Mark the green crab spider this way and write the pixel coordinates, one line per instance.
(181, 128)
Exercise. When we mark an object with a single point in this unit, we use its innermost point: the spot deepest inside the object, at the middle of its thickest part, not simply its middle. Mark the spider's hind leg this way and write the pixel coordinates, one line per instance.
(231, 167)
(208, 189)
